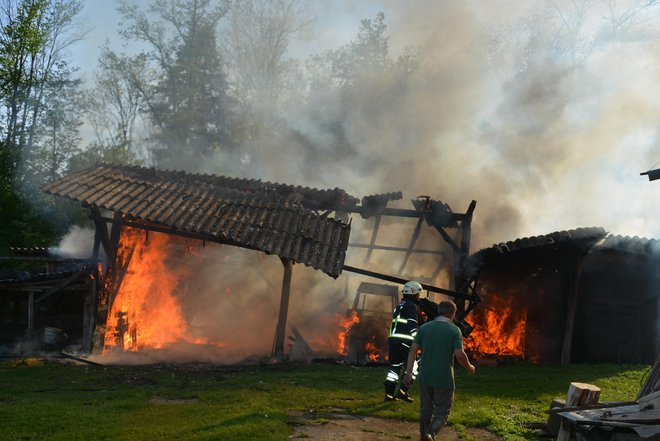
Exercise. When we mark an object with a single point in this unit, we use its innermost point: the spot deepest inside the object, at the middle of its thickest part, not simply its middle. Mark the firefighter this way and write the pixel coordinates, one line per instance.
(402, 332)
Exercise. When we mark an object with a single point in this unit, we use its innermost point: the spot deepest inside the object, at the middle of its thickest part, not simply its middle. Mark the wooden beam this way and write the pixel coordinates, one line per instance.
(372, 242)
(60, 286)
(102, 232)
(399, 249)
(97, 243)
(89, 318)
(115, 233)
(460, 277)
(367, 212)
(449, 240)
(401, 281)
(278, 347)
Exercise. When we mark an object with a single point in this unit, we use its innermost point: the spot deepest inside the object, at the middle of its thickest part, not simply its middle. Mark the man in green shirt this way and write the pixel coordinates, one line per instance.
(440, 341)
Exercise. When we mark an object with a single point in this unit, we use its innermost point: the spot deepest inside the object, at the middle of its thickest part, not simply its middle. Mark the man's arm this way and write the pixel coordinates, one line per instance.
(463, 359)
(412, 353)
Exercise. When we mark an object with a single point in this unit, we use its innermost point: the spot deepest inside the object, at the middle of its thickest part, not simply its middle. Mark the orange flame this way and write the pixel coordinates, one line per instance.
(345, 324)
(373, 353)
(146, 312)
(499, 329)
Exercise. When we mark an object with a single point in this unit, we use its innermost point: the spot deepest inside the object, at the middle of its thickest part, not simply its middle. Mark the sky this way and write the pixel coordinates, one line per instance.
(547, 134)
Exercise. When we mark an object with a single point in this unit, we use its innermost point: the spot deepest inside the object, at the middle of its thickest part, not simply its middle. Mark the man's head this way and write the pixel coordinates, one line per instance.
(447, 308)
(412, 289)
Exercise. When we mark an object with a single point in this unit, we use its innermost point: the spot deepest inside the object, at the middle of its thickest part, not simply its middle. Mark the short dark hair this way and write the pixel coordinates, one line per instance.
(446, 308)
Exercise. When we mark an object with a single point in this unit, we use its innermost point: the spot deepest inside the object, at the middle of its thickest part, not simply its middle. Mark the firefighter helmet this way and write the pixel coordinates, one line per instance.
(412, 288)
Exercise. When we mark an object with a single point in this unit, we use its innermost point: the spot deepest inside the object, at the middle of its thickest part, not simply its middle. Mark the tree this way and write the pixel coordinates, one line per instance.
(34, 34)
(362, 59)
(33, 37)
(57, 136)
(114, 105)
(188, 100)
(258, 35)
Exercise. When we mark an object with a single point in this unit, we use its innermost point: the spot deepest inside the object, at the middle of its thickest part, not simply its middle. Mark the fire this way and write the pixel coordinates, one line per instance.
(345, 324)
(146, 312)
(499, 329)
(373, 353)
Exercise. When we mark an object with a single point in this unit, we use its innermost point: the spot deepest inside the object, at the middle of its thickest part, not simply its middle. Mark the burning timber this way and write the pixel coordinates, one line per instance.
(297, 224)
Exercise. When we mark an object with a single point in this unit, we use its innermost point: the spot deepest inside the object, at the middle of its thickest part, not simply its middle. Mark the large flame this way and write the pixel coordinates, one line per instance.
(146, 312)
(499, 329)
(345, 324)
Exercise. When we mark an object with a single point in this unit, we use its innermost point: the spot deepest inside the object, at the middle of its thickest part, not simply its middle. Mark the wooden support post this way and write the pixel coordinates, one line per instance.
(278, 347)
(115, 233)
(102, 233)
(571, 309)
(579, 394)
(89, 319)
(97, 245)
(30, 323)
(460, 275)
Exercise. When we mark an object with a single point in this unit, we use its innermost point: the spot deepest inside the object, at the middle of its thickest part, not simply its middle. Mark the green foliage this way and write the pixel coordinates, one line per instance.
(39, 120)
(188, 100)
(201, 402)
(21, 226)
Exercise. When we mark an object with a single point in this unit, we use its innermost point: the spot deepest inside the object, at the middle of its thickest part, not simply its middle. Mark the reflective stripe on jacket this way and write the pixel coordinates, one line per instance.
(404, 320)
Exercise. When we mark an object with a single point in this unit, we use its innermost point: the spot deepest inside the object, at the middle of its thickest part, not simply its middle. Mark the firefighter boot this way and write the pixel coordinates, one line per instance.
(390, 389)
(402, 394)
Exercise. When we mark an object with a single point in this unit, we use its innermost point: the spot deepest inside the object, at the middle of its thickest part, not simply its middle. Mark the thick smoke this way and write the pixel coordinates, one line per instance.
(544, 119)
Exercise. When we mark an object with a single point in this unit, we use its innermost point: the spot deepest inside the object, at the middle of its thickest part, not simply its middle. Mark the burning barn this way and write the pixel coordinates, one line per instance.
(570, 296)
(157, 231)
(173, 257)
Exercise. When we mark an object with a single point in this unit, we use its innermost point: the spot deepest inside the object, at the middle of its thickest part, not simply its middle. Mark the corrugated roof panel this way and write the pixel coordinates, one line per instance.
(263, 215)
(583, 238)
(635, 245)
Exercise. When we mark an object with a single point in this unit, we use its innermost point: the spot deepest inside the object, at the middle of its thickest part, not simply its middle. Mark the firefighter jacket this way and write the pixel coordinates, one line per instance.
(404, 321)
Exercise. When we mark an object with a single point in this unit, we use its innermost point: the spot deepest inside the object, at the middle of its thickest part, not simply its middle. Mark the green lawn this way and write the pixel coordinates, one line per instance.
(51, 401)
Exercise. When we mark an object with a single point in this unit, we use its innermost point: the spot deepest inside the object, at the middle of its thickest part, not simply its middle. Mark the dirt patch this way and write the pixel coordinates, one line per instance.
(335, 426)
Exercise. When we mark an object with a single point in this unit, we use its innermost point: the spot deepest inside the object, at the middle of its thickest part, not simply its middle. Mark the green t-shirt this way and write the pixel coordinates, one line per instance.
(438, 339)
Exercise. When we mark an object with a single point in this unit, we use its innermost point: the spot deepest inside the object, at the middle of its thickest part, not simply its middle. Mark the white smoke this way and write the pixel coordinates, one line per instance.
(77, 243)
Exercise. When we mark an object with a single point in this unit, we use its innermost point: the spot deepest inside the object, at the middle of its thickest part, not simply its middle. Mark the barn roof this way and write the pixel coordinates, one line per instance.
(274, 218)
(634, 245)
(582, 238)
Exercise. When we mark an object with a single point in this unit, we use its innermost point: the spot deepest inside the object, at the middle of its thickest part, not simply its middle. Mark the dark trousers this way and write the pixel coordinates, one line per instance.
(398, 355)
(435, 404)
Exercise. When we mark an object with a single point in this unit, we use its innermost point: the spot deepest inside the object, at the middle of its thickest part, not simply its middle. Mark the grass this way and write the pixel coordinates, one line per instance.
(42, 400)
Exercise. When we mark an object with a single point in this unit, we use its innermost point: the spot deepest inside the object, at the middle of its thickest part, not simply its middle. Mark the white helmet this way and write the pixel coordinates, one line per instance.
(412, 288)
